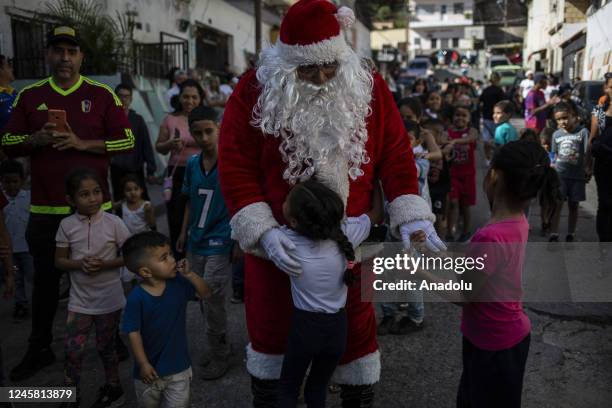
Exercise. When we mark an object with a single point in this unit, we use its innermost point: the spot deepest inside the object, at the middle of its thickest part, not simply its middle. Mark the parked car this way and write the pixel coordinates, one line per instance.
(589, 93)
(496, 60)
(419, 68)
(507, 73)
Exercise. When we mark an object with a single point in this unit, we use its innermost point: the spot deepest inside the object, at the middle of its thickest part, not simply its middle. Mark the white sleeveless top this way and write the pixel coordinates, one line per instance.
(134, 220)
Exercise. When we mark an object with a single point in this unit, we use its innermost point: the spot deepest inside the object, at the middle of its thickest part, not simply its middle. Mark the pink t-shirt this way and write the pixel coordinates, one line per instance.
(172, 122)
(498, 325)
(101, 235)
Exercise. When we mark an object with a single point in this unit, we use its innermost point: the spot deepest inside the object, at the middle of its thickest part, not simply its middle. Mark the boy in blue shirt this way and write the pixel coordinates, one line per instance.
(569, 147)
(206, 233)
(504, 132)
(155, 320)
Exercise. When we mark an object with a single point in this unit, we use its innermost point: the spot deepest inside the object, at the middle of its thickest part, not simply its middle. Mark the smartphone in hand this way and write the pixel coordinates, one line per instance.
(58, 117)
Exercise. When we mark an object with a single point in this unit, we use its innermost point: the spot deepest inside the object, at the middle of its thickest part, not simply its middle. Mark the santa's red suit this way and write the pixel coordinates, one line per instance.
(251, 173)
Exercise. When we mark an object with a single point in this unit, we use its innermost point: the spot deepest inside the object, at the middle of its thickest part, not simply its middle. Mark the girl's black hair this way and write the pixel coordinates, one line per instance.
(319, 211)
(414, 104)
(131, 178)
(527, 171)
(420, 81)
(176, 101)
(76, 177)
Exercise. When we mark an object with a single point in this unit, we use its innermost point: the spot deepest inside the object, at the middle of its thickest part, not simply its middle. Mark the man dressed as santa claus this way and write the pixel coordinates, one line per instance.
(312, 108)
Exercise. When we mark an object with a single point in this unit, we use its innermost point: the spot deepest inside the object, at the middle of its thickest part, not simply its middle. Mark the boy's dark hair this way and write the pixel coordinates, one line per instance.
(11, 166)
(318, 211)
(414, 104)
(547, 133)
(136, 248)
(124, 86)
(203, 113)
(527, 171)
(76, 177)
(506, 106)
(529, 135)
(131, 178)
(564, 106)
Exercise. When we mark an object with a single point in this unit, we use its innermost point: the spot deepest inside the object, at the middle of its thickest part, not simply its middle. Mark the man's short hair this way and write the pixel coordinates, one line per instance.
(124, 86)
(506, 106)
(136, 249)
(203, 113)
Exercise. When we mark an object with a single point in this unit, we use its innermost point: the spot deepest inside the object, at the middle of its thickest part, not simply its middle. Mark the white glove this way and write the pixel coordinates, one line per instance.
(280, 250)
(432, 241)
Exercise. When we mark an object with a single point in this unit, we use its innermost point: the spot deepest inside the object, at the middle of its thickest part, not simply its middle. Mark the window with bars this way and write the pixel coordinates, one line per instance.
(29, 47)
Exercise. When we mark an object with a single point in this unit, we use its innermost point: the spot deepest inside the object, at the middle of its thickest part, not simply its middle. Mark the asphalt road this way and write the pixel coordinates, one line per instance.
(569, 365)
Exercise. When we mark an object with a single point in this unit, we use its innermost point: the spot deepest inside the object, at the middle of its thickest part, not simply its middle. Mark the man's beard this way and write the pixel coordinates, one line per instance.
(320, 125)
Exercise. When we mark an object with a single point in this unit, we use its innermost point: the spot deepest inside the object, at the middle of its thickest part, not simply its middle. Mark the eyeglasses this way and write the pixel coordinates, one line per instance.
(309, 71)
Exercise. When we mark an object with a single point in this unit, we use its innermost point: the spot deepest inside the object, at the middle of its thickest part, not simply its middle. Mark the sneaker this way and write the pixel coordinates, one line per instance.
(406, 326)
(123, 353)
(109, 396)
(569, 238)
(215, 369)
(32, 362)
(385, 325)
(236, 299)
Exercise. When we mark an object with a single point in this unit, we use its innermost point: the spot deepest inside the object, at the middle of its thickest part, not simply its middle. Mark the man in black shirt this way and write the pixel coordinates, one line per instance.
(490, 96)
(133, 162)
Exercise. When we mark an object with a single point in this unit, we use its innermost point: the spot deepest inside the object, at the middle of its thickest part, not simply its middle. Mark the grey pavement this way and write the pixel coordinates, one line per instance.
(569, 364)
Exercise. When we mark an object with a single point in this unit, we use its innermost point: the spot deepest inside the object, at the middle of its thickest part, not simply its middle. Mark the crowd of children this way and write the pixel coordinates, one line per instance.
(98, 249)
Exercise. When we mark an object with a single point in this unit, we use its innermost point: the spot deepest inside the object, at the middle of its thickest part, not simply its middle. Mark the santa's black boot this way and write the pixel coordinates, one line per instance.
(265, 393)
(357, 396)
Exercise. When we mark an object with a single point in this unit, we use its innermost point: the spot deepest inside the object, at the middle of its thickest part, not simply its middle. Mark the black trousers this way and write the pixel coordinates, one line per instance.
(492, 378)
(40, 235)
(603, 178)
(175, 208)
(117, 174)
(318, 340)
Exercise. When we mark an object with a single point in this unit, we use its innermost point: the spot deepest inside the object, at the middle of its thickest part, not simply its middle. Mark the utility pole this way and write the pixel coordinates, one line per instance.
(257, 27)
(408, 29)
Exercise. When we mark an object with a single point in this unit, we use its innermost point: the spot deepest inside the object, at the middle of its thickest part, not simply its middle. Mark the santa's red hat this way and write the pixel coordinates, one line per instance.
(311, 32)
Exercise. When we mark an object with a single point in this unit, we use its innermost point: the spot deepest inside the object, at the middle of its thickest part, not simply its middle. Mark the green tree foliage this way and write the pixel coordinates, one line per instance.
(102, 38)
(382, 10)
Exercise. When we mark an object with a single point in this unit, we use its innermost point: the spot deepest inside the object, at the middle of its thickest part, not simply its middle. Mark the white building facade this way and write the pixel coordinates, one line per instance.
(598, 58)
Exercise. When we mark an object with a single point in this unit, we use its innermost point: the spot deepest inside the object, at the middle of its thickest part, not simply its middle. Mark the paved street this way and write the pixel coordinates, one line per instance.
(570, 360)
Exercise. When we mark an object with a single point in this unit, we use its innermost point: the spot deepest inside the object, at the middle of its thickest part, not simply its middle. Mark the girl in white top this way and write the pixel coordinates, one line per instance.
(324, 245)
(137, 214)
(87, 247)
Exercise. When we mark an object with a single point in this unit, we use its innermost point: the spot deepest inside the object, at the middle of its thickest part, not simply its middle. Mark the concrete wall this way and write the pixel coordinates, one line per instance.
(161, 15)
(598, 58)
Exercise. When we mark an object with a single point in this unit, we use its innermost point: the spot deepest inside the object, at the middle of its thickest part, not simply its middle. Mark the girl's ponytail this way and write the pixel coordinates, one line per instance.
(347, 249)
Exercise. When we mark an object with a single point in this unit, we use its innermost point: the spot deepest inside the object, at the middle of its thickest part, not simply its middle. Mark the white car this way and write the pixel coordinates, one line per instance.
(419, 68)
(496, 60)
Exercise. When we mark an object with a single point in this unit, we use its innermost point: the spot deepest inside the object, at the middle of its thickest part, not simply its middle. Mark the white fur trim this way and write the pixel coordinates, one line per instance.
(363, 371)
(250, 223)
(406, 208)
(263, 366)
(332, 49)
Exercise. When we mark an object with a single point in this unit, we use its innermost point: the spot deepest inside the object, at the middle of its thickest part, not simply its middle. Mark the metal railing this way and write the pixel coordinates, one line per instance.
(155, 60)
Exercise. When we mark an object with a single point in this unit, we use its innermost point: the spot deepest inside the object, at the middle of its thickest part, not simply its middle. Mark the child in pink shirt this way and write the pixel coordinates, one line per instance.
(87, 247)
(496, 330)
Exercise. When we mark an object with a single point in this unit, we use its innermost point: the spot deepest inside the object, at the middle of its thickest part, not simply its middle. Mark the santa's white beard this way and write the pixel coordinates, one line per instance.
(322, 128)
